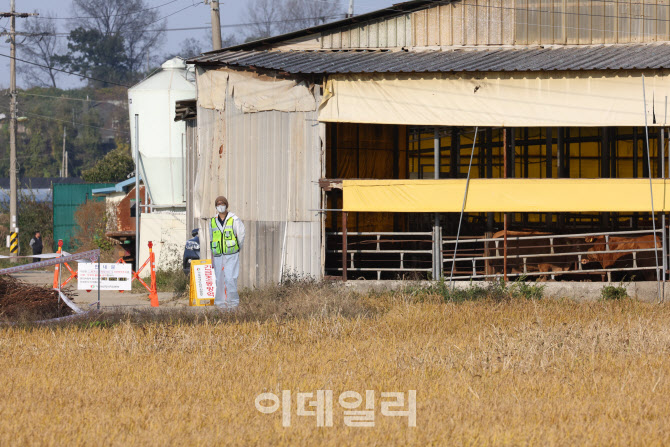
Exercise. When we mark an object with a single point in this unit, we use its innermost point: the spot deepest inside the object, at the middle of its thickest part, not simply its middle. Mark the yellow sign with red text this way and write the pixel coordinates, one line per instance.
(203, 283)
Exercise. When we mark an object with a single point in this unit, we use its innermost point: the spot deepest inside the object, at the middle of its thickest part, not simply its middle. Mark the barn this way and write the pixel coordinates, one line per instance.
(467, 139)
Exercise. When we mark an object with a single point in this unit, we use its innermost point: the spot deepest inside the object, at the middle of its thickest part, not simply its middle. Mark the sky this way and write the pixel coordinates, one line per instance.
(197, 15)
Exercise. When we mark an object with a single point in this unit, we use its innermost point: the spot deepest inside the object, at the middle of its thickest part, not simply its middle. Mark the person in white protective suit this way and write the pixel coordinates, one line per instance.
(226, 232)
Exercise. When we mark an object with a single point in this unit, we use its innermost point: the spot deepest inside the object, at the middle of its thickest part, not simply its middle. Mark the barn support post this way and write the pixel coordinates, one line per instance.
(550, 170)
(636, 162)
(636, 149)
(323, 137)
(396, 172)
(506, 215)
(455, 154)
(437, 231)
(489, 174)
(560, 161)
(645, 165)
(511, 165)
(344, 246)
(525, 166)
(661, 150)
(566, 138)
(604, 171)
(614, 139)
(659, 154)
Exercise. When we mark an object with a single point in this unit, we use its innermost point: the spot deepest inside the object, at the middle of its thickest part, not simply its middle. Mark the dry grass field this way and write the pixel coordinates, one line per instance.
(486, 372)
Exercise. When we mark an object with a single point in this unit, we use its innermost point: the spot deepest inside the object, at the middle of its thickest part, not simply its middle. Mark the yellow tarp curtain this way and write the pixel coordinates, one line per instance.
(532, 99)
(506, 195)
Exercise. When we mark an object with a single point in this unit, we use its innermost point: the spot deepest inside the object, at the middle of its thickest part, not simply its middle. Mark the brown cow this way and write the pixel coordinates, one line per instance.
(624, 259)
(516, 249)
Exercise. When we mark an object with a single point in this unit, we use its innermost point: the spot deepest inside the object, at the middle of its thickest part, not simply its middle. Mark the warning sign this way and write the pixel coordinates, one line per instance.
(203, 283)
(112, 276)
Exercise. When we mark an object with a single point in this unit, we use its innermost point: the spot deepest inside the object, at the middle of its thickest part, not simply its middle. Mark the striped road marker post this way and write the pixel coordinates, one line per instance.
(14, 242)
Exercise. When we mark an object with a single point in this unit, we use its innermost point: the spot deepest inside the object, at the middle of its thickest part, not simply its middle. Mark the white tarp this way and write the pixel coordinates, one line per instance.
(252, 92)
(212, 85)
(529, 99)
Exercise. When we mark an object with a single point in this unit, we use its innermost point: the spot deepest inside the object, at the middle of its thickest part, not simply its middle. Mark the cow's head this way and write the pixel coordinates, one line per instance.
(596, 245)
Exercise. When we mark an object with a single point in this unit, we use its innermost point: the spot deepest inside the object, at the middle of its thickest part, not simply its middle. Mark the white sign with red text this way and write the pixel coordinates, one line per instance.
(112, 276)
(205, 283)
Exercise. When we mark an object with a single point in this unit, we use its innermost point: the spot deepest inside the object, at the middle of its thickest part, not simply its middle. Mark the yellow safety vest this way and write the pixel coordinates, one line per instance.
(224, 243)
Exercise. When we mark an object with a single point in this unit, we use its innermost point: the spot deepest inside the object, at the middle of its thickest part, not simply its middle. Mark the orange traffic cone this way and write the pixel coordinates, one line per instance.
(153, 294)
(57, 270)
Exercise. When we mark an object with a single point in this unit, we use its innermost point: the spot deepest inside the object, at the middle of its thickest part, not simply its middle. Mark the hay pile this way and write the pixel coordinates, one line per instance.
(22, 301)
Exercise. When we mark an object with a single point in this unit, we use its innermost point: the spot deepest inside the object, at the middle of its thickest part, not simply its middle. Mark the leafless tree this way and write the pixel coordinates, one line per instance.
(40, 46)
(135, 20)
(300, 14)
(271, 17)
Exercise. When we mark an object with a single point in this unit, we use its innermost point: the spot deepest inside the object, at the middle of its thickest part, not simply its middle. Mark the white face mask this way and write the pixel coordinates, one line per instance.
(221, 209)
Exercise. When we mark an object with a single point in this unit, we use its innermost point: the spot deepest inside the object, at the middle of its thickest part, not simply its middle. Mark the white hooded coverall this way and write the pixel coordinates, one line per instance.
(227, 267)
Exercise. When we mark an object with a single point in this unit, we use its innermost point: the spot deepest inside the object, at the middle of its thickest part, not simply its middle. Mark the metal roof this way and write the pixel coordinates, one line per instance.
(119, 187)
(394, 10)
(591, 57)
(186, 109)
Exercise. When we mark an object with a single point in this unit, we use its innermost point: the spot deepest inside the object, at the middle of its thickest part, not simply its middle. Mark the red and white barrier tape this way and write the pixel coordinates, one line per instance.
(91, 256)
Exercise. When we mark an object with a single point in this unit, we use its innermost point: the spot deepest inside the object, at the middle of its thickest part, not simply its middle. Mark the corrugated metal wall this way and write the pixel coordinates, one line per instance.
(191, 159)
(472, 22)
(388, 33)
(512, 22)
(66, 200)
(591, 22)
(268, 165)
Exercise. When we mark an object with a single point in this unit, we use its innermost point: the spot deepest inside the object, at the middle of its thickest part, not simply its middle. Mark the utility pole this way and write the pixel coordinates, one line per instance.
(13, 205)
(63, 165)
(350, 13)
(216, 25)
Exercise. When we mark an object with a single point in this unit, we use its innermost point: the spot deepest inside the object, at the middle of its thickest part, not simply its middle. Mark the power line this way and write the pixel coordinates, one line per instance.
(437, 2)
(113, 15)
(193, 28)
(68, 98)
(176, 12)
(64, 71)
(70, 122)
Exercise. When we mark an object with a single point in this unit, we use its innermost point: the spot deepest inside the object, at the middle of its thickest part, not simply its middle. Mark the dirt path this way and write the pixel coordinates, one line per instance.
(107, 298)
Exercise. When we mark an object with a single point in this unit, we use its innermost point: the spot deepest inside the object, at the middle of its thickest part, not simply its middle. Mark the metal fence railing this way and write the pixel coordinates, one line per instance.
(596, 256)
(378, 253)
(552, 255)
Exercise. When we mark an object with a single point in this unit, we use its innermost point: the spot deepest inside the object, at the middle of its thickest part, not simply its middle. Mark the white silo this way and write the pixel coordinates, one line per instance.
(160, 137)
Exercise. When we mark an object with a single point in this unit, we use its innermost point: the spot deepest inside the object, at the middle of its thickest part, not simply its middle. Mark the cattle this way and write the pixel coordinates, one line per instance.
(518, 249)
(623, 259)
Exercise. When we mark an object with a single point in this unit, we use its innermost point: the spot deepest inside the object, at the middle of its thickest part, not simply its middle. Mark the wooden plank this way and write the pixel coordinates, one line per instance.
(446, 38)
(508, 22)
(572, 22)
(521, 13)
(598, 22)
(458, 24)
(432, 26)
(534, 34)
(470, 22)
(495, 36)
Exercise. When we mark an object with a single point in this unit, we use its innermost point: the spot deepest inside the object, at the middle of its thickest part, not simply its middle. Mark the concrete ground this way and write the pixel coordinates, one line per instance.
(580, 291)
(108, 299)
